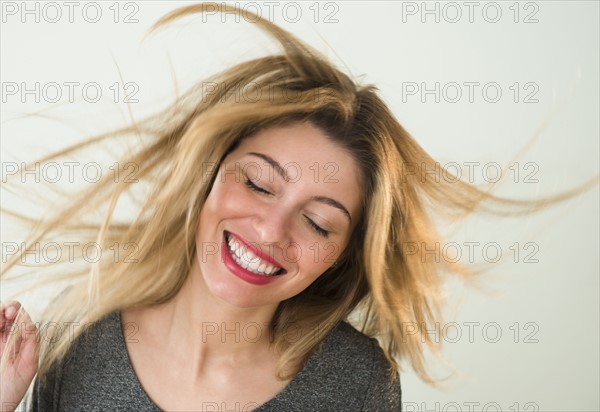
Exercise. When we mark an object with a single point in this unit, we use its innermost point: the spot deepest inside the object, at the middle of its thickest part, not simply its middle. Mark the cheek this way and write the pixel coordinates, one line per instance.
(224, 202)
(317, 257)
(227, 199)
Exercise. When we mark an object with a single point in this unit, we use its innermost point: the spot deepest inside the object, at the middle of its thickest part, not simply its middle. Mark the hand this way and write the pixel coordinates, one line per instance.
(20, 365)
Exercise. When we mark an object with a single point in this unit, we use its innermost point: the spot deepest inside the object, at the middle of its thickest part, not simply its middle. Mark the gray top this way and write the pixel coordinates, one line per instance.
(349, 373)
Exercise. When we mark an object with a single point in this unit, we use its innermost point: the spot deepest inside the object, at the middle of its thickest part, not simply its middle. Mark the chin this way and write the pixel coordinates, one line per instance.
(238, 295)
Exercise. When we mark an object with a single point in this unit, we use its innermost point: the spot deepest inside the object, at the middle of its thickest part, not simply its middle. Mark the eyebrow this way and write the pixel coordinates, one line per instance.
(332, 202)
(280, 170)
(321, 199)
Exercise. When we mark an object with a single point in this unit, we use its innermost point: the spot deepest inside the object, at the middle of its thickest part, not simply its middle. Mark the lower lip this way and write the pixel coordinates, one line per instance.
(242, 273)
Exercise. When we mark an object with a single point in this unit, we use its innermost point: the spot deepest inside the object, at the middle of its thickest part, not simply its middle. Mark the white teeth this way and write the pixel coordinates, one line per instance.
(248, 260)
(250, 257)
(253, 266)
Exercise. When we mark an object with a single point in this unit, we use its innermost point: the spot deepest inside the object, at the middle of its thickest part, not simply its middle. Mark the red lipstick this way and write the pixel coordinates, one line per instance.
(238, 270)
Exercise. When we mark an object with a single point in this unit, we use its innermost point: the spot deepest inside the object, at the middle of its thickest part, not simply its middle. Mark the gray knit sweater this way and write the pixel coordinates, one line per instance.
(347, 373)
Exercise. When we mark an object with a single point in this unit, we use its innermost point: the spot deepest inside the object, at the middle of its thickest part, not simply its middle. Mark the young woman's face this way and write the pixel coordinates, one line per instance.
(279, 214)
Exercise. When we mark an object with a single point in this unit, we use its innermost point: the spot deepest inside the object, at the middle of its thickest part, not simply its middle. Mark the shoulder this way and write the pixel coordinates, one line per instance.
(96, 341)
(365, 368)
(93, 372)
(350, 369)
(347, 348)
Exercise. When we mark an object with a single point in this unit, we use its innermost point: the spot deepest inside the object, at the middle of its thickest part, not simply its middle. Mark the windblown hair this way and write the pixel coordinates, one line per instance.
(376, 284)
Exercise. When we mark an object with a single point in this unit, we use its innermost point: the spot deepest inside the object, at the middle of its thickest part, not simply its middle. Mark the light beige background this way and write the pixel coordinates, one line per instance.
(553, 361)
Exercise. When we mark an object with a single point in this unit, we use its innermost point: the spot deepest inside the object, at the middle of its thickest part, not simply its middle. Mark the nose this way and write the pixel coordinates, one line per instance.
(273, 224)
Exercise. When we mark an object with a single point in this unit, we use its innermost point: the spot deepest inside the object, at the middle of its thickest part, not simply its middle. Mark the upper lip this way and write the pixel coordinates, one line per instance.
(255, 250)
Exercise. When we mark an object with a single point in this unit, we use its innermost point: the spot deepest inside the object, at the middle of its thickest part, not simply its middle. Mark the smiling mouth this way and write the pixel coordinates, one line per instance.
(246, 259)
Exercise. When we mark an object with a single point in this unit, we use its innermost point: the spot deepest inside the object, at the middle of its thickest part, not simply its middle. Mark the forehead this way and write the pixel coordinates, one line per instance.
(307, 146)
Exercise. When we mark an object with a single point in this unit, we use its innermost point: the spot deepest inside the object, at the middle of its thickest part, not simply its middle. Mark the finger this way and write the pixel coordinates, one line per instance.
(26, 333)
(18, 326)
(4, 306)
(30, 345)
(8, 312)
(29, 340)
(11, 308)
(27, 328)
(12, 345)
(23, 316)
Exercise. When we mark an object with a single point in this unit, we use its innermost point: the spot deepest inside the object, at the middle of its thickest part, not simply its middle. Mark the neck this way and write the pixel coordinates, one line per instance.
(206, 329)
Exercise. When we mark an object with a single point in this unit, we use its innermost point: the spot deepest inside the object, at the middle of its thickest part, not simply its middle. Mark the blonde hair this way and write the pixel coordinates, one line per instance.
(376, 283)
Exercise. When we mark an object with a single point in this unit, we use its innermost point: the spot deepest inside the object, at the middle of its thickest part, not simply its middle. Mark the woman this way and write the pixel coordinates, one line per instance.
(267, 222)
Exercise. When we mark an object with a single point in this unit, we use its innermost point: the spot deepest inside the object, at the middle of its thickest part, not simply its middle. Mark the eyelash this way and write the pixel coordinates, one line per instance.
(252, 186)
(318, 228)
(258, 189)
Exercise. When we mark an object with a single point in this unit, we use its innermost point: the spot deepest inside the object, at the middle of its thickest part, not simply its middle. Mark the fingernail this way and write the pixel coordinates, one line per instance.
(10, 311)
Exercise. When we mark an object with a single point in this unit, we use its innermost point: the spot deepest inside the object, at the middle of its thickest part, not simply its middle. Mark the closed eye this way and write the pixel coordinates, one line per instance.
(250, 184)
(317, 228)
